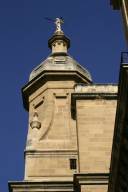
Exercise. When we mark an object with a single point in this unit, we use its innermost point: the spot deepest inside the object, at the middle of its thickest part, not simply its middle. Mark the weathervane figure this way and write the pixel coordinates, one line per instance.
(58, 22)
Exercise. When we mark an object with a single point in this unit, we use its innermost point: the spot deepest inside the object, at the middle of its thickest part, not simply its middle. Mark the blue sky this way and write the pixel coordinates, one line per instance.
(97, 38)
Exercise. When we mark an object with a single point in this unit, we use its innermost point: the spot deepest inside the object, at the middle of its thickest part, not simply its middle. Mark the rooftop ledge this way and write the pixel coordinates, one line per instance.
(96, 88)
(94, 91)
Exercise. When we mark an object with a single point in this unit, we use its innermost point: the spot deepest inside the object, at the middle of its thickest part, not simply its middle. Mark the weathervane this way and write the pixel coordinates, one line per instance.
(58, 22)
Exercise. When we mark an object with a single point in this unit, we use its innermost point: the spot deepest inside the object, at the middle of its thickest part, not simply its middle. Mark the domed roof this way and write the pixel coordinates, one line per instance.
(59, 63)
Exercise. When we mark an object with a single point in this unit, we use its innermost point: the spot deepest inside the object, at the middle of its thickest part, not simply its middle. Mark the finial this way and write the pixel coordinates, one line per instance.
(58, 22)
(59, 43)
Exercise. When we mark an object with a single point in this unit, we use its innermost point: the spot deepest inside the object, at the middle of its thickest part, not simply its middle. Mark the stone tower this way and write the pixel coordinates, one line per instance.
(70, 127)
(52, 140)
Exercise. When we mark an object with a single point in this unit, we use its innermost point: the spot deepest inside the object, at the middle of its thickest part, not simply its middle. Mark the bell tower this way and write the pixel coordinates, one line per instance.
(70, 125)
(51, 147)
(51, 152)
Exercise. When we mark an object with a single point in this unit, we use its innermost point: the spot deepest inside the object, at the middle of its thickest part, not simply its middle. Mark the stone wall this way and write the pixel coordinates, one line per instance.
(95, 124)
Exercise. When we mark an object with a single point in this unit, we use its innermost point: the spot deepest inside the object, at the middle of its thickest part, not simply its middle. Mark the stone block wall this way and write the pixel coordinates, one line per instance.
(95, 125)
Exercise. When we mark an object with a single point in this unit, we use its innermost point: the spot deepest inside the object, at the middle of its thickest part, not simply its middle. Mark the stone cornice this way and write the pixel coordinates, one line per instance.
(51, 152)
(29, 186)
(63, 186)
(45, 76)
(90, 179)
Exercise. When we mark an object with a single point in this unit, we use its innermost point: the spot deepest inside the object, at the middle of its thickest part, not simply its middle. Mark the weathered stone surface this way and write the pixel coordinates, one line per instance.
(95, 124)
(73, 127)
(50, 148)
(87, 139)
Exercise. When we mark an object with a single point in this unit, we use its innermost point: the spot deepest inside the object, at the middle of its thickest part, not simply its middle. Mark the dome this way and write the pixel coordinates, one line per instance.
(60, 63)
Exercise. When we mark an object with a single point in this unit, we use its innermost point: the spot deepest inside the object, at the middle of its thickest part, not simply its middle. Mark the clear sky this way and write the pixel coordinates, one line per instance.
(97, 39)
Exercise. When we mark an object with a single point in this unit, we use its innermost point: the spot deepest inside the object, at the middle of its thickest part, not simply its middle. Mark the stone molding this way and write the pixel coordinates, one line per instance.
(90, 179)
(45, 76)
(63, 186)
(47, 186)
